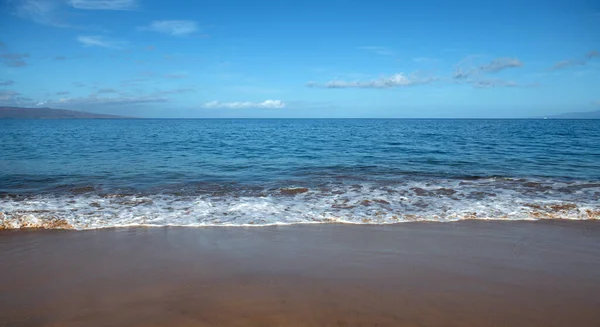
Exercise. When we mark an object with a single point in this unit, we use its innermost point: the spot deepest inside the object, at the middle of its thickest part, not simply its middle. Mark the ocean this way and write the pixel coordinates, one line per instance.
(100, 173)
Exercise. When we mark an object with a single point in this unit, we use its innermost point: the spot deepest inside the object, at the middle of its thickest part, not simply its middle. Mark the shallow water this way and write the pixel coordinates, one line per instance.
(104, 173)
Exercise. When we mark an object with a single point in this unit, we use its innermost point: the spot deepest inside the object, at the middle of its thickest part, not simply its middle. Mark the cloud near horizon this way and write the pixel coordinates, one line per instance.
(267, 104)
(104, 101)
(8, 95)
(396, 80)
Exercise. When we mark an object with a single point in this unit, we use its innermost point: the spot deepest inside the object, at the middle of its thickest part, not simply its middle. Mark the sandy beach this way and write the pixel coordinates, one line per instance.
(469, 273)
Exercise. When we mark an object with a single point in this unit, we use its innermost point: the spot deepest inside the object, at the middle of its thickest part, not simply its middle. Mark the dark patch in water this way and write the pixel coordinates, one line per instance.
(438, 192)
(117, 195)
(574, 188)
(480, 195)
(293, 191)
(135, 202)
(444, 191)
(419, 191)
(381, 201)
(82, 190)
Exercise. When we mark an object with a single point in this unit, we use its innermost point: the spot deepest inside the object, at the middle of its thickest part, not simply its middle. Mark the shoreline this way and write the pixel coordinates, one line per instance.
(62, 224)
(465, 273)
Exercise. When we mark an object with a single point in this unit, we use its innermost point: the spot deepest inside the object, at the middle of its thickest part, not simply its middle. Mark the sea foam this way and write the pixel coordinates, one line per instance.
(356, 203)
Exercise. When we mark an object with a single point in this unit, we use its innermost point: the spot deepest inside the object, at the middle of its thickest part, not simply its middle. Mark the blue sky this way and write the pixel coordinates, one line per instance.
(308, 58)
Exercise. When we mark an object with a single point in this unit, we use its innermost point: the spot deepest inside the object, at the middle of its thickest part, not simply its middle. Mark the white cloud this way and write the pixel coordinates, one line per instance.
(104, 4)
(268, 104)
(172, 27)
(6, 82)
(396, 80)
(100, 41)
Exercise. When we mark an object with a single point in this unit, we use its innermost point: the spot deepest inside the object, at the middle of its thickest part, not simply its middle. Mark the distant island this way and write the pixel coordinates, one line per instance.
(577, 115)
(47, 113)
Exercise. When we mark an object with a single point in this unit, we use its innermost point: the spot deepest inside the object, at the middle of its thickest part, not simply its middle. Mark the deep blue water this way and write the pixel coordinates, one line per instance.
(239, 158)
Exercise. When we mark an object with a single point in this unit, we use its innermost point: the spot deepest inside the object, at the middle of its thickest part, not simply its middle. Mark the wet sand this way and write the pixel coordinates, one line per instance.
(470, 273)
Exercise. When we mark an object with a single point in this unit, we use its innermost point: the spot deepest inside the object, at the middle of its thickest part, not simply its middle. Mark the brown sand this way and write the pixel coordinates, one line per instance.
(472, 273)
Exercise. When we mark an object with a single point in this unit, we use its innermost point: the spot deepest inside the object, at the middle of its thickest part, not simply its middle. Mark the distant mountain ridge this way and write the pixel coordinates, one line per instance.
(577, 115)
(48, 113)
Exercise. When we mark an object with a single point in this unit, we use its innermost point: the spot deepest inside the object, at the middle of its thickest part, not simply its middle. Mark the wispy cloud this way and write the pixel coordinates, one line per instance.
(59, 58)
(105, 91)
(14, 59)
(463, 70)
(180, 90)
(63, 93)
(78, 84)
(176, 75)
(497, 65)
(268, 104)
(104, 4)
(384, 51)
(172, 27)
(493, 82)
(396, 80)
(100, 41)
(6, 82)
(44, 12)
(576, 62)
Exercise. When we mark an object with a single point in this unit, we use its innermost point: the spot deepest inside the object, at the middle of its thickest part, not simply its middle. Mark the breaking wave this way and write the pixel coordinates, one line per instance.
(439, 200)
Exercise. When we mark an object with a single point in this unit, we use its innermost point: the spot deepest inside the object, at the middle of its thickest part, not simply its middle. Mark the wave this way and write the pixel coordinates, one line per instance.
(441, 200)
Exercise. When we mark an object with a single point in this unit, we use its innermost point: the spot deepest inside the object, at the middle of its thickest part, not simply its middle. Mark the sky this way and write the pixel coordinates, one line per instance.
(305, 59)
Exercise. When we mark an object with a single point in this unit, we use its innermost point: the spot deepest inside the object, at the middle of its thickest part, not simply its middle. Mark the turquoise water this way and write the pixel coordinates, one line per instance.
(103, 173)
